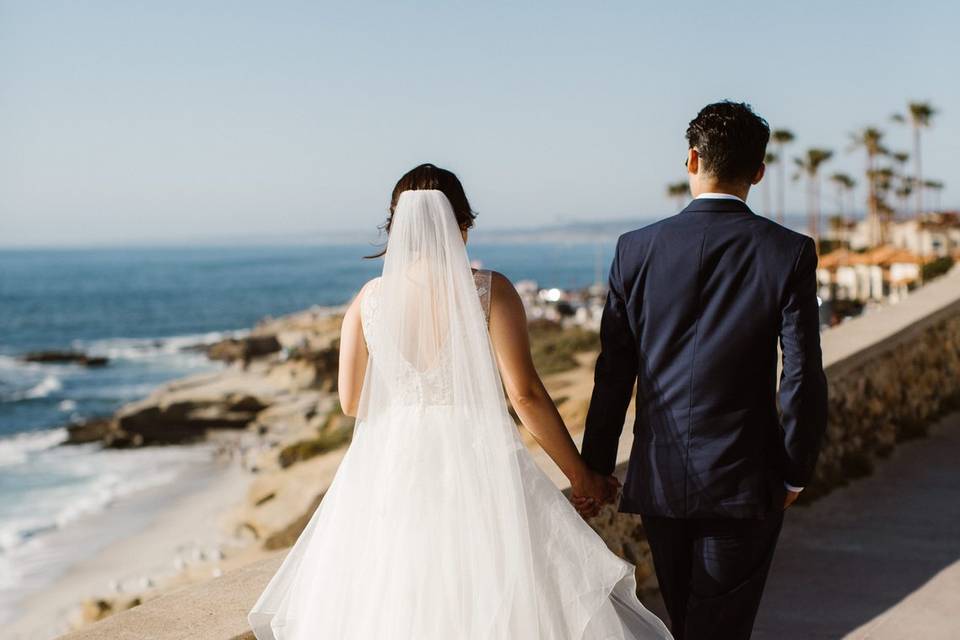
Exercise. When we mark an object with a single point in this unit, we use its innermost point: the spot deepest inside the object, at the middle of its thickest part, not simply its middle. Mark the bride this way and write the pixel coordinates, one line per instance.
(439, 525)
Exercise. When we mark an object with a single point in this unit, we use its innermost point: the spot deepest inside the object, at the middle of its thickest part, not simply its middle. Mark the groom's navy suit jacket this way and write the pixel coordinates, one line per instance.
(696, 305)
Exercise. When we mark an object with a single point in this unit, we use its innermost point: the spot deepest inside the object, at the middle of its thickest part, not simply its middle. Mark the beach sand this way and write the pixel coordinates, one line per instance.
(150, 530)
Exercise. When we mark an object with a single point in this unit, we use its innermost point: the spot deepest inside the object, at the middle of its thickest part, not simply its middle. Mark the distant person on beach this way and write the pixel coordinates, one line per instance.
(439, 524)
(696, 305)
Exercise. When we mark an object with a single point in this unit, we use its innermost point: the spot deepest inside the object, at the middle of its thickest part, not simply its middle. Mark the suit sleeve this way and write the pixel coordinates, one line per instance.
(803, 386)
(614, 378)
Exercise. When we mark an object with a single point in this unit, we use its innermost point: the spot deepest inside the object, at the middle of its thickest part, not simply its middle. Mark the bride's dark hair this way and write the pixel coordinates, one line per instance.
(428, 176)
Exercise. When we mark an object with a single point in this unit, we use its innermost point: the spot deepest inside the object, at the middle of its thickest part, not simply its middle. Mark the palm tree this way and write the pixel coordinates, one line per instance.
(781, 138)
(919, 115)
(883, 185)
(679, 191)
(870, 139)
(903, 191)
(903, 180)
(769, 159)
(845, 185)
(936, 186)
(809, 165)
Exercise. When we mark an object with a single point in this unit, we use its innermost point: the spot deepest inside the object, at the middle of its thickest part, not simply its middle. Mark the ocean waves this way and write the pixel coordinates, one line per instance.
(50, 490)
(45, 395)
(69, 483)
(16, 449)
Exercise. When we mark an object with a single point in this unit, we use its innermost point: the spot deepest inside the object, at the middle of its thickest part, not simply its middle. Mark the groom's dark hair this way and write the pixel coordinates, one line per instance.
(731, 141)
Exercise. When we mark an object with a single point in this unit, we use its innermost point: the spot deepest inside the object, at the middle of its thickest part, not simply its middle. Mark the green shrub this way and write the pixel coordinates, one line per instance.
(554, 347)
(336, 431)
(937, 268)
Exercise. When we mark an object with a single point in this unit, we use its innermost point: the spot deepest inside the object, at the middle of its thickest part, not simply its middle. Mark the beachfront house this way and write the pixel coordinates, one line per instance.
(884, 273)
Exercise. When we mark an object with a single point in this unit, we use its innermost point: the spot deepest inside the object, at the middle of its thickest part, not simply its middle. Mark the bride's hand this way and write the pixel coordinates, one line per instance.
(592, 491)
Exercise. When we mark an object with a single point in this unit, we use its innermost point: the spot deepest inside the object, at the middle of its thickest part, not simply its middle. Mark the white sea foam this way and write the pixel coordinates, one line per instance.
(87, 501)
(141, 348)
(28, 380)
(53, 492)
(15, 449)
(78, 481)
(45, 387)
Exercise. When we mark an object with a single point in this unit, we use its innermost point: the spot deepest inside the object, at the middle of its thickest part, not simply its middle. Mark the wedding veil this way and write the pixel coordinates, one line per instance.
(432, 377)
(430, 347)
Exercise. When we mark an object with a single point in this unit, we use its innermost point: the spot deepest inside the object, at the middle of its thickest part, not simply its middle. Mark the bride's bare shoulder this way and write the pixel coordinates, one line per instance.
(503, 295)
(501, 283)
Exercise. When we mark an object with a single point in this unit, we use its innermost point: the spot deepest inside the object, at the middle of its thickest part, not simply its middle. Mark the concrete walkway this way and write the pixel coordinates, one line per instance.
(879, 559)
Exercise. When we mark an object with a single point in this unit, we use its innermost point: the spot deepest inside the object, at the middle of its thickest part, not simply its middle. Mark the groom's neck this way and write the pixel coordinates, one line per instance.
(708, 186)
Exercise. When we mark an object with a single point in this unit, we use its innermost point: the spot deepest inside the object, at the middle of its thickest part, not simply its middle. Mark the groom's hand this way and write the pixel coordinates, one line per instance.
(790, 498)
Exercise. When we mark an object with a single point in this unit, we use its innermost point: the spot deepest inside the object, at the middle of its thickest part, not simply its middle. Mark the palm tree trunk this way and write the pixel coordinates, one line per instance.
(840, 230)
(851, 206)
(919, 168)
(873, 214)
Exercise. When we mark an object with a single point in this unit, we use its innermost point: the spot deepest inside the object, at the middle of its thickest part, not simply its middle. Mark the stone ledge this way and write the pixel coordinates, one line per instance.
(859, 340)
(214, 610)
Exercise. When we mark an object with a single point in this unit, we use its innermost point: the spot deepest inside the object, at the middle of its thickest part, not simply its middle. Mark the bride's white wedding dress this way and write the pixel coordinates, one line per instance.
(439, 525)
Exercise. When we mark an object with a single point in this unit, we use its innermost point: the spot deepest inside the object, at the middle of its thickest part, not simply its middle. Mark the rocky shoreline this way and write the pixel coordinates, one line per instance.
(273, 412)
(267, 415)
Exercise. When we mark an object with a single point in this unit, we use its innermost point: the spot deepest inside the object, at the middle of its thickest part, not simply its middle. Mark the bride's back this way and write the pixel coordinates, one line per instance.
(422, 350)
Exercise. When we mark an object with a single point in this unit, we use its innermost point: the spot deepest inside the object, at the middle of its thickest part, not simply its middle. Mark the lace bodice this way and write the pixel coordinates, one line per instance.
(429, 387)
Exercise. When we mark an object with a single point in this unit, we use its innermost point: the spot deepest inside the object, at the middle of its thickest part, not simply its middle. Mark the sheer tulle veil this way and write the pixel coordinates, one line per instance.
(432, 362)
(438, 524)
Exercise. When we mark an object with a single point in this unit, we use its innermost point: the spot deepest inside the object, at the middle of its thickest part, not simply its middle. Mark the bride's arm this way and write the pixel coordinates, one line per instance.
(353, 358)
(511, 342)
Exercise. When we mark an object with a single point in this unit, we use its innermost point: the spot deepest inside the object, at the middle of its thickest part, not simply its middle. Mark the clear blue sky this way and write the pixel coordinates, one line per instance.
(171, 121)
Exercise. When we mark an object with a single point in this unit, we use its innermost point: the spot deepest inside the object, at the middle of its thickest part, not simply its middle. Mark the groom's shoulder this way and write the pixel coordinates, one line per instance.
(767, 235)
(776, 233)
(643, 235)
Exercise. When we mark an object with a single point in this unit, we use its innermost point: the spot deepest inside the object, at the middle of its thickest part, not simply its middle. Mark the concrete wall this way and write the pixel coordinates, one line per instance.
(891, 372)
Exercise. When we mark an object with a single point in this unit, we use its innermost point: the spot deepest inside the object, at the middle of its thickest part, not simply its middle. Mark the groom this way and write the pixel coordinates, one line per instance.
(696, 306)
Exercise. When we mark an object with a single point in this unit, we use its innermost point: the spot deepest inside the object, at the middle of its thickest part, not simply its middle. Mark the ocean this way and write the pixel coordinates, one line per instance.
(145, 309)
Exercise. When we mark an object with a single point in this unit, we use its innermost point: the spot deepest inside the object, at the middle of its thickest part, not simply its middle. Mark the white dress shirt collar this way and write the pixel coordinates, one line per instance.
(719, 196)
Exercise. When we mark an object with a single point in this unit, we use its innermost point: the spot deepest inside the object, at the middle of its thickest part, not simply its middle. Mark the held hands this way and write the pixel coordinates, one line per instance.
(592, 491)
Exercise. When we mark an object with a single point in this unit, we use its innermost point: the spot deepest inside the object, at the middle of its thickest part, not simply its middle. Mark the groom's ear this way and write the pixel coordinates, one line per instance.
(693, 161)
(760, 173)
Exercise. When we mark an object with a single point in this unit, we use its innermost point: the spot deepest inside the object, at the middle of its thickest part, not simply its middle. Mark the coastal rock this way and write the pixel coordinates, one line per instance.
(96, 609)
(300, 373)
(286, 536)
(117, 439)
(167, 420)
(93, 430)
(326, 441)
(243, 349)
(280, 502)
(324, 364)
(64, 357)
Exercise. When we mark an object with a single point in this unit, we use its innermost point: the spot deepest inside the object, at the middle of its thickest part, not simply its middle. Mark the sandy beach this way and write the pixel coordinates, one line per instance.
(149, 532)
